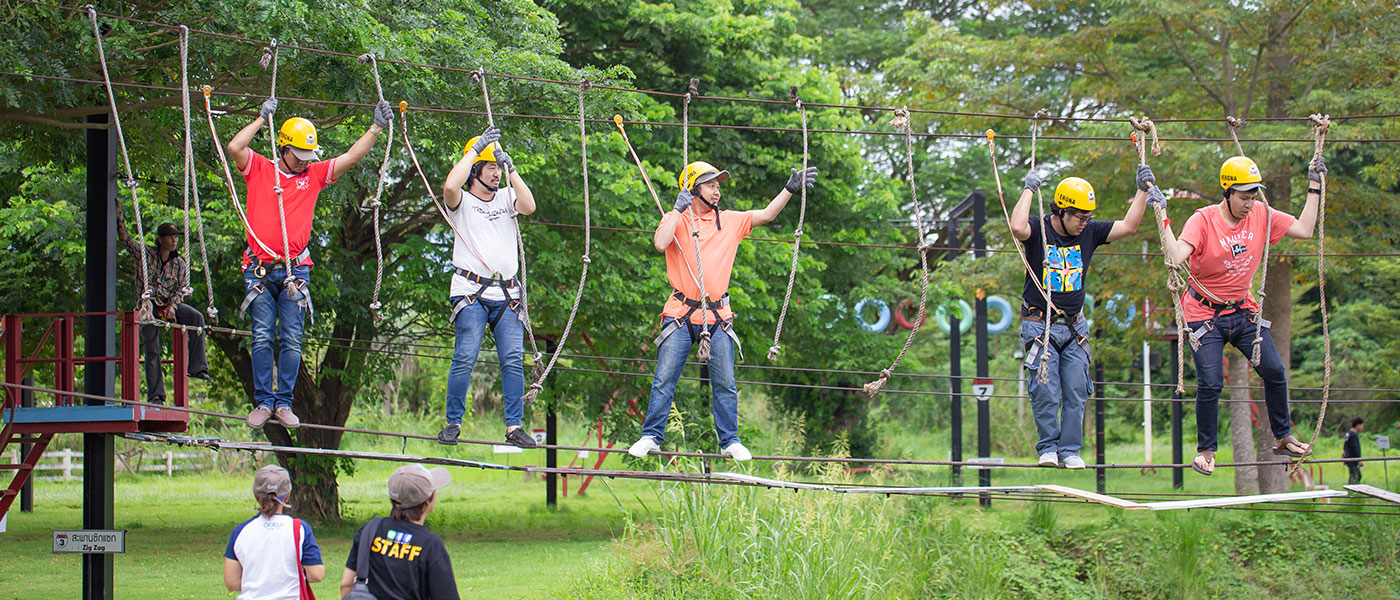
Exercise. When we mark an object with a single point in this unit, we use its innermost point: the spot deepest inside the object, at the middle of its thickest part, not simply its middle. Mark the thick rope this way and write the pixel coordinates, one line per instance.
(1234, 125)
(144, 310)
(1020, 248)
(702, 351)
(901, 122)
(538, 370)
(1043, 374)
(228, 181)
(797, 233)
(185, 289)
(1320, 125)
(538, 384)
(269, 59)
(379, 191)
(1176, 284)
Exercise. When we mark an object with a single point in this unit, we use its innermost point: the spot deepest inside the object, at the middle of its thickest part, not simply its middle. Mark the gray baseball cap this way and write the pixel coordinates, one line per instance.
(273, 481)
(411, 485)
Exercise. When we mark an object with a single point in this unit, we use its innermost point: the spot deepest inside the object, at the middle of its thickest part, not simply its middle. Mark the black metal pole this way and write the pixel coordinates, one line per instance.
(984, 416)
(99, 378)
(954, 362)
(551, 458)
(1177, 482)
(1101, 476)
(26, 493)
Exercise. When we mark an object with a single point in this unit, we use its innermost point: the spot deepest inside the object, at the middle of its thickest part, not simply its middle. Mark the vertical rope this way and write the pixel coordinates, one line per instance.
(379, 190)
(269, 59)
(901, 122)
(797, 233)
(143, 311)
(1234, 124)
(228, 181)
(1044, 372)
(186, 290)
(702, 351)
(1321, 123)
(537, 371)
(403, 112)
(538, 384)
(1176, 284)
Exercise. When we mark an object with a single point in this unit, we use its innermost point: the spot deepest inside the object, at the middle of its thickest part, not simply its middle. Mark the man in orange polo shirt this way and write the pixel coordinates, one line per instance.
(689, 315)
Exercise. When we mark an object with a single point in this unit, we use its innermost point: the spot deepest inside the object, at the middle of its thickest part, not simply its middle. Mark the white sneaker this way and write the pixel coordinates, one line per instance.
(737, 452)
(643, 446)
(1050, 459)
(1074, 462)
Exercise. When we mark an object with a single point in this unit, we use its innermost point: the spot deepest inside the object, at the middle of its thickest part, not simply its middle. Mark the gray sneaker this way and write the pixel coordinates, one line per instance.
(287, 418)
(259, 417)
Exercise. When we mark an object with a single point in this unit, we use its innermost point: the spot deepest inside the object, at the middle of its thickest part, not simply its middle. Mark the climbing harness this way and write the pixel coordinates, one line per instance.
(144, 310)
(538, 384)
(797, 233)
(484, 283)
(379, 191)
(901, 122)
(524, 314)
(1176, 284)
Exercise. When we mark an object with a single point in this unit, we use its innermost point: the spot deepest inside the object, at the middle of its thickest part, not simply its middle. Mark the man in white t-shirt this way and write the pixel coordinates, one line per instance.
(485, 293)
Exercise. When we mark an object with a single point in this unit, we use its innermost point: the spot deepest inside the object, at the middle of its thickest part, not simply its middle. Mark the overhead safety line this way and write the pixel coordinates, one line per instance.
(659, 93)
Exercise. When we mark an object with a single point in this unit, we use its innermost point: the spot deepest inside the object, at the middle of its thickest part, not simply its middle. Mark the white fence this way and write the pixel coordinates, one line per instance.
(66, 462)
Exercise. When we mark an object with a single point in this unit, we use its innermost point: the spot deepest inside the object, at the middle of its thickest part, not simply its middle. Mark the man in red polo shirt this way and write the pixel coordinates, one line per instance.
(276, 298)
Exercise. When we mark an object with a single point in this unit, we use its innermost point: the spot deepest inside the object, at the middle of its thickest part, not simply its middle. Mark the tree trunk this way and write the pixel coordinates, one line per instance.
(1241, 429)
(1278, 283)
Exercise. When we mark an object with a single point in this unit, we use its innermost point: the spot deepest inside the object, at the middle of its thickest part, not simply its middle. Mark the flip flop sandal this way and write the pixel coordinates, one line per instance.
(1203, 464)
(1290, 446)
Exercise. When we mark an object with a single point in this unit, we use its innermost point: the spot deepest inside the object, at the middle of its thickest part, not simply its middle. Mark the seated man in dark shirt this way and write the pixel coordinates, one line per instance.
(406, 561)
(1060, 248)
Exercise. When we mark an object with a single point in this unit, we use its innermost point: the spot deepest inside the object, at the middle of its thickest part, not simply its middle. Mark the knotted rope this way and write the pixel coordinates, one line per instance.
(1321, 123)
(538, 384)
(901, 122)
(186, 290)
(269, 60)
(144, 310)
(1043, 374)
(1176, 284)
(378, 190)
(192, 180)
(1234, 124)
(797, 233)
(537, 371)
(702, 350)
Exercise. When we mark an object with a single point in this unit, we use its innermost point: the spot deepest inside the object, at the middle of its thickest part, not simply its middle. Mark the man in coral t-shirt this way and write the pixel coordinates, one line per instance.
(1225, 243)
(279, 300)
(691, 316)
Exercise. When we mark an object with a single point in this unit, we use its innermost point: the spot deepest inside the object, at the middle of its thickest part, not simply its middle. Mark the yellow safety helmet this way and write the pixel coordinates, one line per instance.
(1075, 193)
(700, 172)
(487, 155)
(1240, 173)
(300, 135)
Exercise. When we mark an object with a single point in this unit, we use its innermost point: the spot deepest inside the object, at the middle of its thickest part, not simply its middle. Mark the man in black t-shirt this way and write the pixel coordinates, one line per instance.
(1070, 238)
(1351, 448)
(406, 562)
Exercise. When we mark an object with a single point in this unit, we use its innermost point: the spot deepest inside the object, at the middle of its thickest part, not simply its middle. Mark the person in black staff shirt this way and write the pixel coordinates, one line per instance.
(1351, 448)
(407, 561)
(1071, 236)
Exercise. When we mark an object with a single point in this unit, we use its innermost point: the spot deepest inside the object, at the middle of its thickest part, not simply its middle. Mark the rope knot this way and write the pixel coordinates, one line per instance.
(1041, 114)
(476, 76)
(277, 189)
(1321, 122)
(797, 233)
(694, 86)
(585, 85)
(773, 352)
(266, 60)
(587, 260)
(792, 95)
(366, 58)
(1234, 122)
(901, 118)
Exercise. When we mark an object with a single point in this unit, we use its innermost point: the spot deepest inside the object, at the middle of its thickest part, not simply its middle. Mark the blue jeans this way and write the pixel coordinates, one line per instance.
(509, 332)
(670, 361)
(1236, 328)
(1058, 406)
(273, 310)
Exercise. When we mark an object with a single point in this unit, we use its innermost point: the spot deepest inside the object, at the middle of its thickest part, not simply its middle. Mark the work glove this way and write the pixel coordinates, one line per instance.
(1145, 177)
(383, 115)
(268, 108)
(683, 200)
(488, 137)
(1156, 198)
(799, 179)
(1317, 170)
(507, 165)
(1033, 181)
